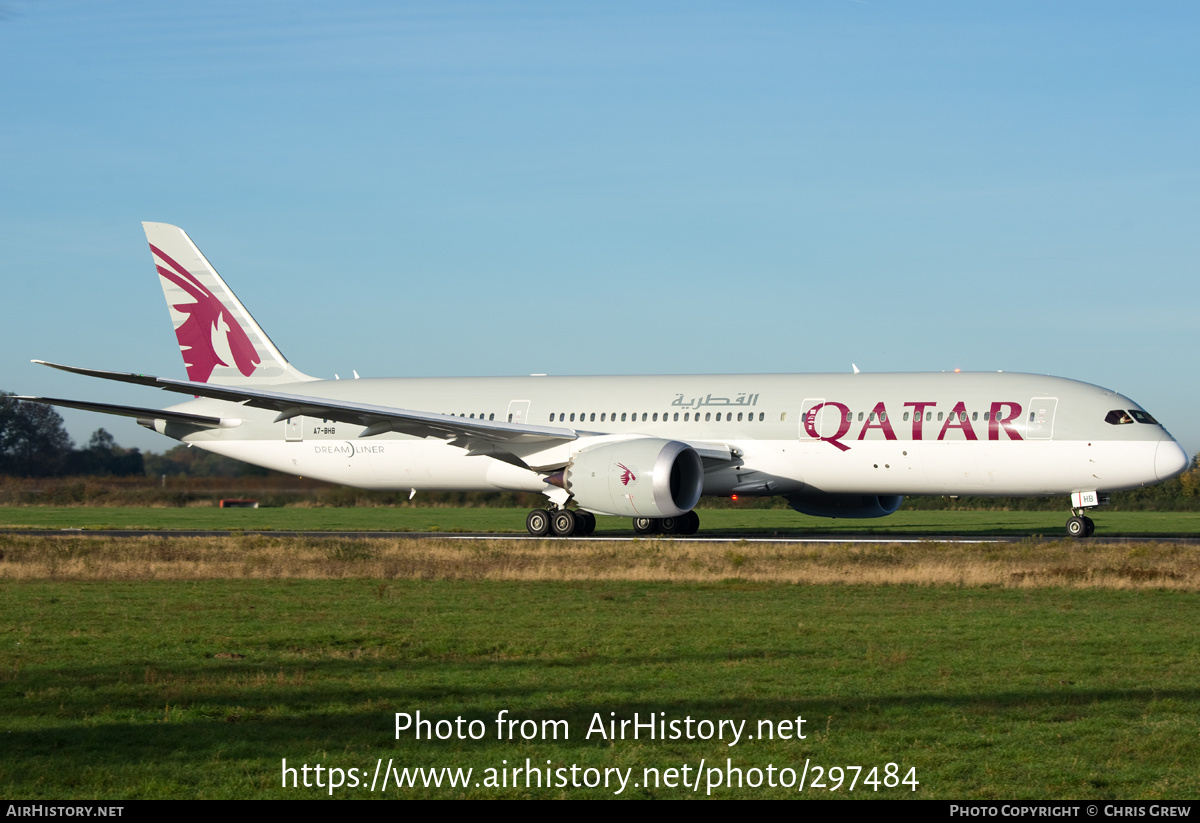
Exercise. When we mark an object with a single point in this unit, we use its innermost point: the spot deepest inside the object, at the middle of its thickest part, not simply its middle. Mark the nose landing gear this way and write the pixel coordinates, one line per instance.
(1080, 525)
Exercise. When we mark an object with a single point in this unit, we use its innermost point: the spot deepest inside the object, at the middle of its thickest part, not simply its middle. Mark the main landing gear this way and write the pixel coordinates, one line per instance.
(578, 523)
(560, 522)
(684, 524)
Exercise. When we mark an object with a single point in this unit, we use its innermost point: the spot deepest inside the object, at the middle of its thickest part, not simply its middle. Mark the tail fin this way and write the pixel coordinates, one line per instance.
(218, 338)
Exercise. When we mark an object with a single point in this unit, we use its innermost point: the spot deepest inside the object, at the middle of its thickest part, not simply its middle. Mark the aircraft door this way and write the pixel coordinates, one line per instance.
(1039, 425)
(518, 411)
(819, 418)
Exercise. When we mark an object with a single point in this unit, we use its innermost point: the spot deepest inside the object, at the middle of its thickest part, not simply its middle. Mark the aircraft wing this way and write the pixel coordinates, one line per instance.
(461, 431)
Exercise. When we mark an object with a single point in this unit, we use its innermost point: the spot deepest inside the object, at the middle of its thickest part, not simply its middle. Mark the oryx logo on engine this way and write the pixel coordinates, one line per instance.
(627, 475)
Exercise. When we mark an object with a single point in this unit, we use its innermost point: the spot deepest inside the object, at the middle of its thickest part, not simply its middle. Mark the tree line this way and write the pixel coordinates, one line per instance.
(34, 443)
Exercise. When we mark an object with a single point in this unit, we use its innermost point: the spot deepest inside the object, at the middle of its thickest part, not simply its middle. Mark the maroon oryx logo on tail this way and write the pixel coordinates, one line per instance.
(206, 318)
(627, 475)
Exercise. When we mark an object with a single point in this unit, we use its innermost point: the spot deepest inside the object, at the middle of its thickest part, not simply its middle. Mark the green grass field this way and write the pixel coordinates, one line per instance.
(192, 667)
(713, 521)
(201, 689)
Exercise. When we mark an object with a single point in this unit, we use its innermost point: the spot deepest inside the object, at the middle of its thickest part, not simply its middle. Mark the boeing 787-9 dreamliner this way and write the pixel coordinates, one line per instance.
(646, 447)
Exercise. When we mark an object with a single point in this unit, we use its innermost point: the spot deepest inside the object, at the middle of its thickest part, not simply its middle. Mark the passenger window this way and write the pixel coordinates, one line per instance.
(849, 417)
(676, 416)
(707, 416)
(739, 417)
(974, 416)
(906, 417)
(643, 417)
(929, 416)
(939, 417)
(685, 417)
(718, 417)
(654, 417)
(622, 417)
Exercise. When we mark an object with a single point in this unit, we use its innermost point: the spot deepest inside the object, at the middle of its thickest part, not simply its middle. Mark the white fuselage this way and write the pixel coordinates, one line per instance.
(902, 434)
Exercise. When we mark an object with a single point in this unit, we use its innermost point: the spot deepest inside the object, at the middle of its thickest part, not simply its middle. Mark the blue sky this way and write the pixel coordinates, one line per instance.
(575, 188)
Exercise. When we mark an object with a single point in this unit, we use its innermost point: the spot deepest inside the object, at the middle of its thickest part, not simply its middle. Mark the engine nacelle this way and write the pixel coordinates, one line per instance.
(646, 477)
(819, 504)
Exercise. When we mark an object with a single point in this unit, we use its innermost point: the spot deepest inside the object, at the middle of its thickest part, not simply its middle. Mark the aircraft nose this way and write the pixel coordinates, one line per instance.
(1169, 459)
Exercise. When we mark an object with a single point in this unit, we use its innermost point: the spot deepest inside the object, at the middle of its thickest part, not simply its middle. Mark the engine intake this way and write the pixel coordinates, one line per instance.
(646, 477)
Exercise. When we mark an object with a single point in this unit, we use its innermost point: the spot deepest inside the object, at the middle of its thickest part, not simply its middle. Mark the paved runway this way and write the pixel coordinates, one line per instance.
(698, 538)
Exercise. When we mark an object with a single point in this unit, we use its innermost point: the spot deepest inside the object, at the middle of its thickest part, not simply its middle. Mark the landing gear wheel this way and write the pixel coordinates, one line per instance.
(1091, 527)
(670, 525)
(689, 523)
(645, 525)
(537, 522)
(585, 523)
(563, 522)
(1077, 527)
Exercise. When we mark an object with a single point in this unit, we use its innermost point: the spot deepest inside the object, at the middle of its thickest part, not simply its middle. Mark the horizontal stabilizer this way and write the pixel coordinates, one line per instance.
(201, 420)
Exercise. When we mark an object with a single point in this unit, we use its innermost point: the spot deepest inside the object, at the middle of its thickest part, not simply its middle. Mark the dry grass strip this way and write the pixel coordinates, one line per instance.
(1028, 564)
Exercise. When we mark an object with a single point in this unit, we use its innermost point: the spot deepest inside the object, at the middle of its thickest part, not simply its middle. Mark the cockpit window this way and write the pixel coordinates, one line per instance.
(1117, 417)
(1141, 417)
